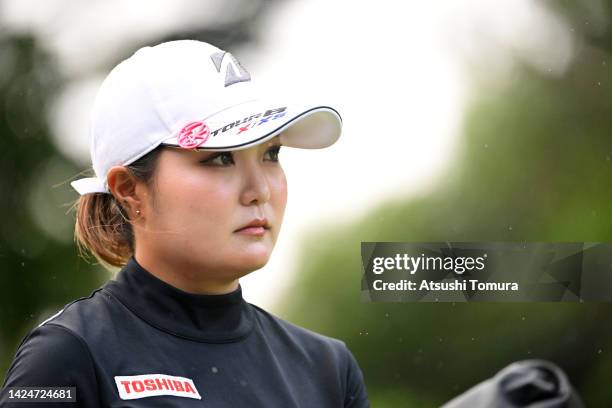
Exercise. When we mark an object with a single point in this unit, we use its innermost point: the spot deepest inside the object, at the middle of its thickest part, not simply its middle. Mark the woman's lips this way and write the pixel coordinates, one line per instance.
(254, 231)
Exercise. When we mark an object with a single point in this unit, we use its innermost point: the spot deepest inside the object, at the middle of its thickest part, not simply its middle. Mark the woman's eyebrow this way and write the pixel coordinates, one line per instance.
(274, 141)
(204, 154)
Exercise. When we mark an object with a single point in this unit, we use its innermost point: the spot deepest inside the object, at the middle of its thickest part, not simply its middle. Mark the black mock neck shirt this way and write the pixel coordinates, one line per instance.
(140, 342)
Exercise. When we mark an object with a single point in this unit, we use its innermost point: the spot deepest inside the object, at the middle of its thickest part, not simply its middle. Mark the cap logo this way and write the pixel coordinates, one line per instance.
(234, 72)
(252, 121)
(193, 135)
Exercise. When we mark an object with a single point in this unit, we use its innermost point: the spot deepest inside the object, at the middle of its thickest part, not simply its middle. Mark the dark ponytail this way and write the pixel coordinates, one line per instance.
(103, 227)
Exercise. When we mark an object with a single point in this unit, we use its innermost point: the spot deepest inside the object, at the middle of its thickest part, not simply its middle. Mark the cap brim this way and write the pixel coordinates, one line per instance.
(307, 126)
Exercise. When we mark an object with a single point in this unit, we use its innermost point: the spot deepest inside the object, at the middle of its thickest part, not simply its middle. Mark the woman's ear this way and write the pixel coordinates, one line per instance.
(122, 184)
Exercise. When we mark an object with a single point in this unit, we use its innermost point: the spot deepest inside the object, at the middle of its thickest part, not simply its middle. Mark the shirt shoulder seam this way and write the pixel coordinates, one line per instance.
(67, 306)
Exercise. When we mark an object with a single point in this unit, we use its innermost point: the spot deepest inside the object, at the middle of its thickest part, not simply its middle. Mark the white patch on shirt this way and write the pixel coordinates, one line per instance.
(151, 385)
(52, 317)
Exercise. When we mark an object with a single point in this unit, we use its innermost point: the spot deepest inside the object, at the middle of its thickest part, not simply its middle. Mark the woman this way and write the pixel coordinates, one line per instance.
(188, 197)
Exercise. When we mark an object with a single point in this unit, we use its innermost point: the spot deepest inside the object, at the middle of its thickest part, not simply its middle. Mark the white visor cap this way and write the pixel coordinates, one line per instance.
(192, 95)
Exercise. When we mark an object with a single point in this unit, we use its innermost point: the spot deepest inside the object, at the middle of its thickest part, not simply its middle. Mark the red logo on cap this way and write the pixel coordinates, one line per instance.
(193, 135)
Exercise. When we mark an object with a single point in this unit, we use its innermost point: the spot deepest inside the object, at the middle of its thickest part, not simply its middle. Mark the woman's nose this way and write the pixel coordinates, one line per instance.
(256, 188)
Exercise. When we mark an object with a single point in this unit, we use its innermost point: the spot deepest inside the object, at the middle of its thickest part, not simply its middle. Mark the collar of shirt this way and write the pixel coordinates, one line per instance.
(206, 318)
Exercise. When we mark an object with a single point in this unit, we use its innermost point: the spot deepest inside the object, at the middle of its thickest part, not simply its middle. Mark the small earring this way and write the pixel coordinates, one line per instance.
(138, 212)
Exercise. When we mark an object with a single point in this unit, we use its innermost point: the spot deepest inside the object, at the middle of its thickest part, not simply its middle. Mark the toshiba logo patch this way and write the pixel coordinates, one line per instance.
(151, 385)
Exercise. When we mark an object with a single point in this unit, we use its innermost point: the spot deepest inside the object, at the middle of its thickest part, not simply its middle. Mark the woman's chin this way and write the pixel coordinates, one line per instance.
(247, 256)
(251, 259)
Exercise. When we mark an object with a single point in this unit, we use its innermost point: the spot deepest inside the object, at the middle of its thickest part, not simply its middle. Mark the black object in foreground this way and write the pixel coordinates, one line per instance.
(527, 383)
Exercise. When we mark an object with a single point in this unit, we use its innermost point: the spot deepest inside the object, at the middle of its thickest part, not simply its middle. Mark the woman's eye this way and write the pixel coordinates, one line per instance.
(226, 158)
(221, 159)
(273, 152)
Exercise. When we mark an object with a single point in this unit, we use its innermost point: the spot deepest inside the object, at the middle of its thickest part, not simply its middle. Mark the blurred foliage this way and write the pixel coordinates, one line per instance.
(39, 270)
(535, 165)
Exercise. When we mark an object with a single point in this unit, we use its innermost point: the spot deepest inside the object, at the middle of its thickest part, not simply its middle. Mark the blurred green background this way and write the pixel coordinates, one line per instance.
(534, 164)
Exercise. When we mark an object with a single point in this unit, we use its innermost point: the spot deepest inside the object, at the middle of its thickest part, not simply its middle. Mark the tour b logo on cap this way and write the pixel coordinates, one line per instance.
(193, 135)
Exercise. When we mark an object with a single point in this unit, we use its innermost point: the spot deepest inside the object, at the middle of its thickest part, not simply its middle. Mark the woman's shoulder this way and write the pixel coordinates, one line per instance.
(293, 332)
(55, 352)
(51, 356)
(51, 347)
(80, 313)
(62, 330)
(318, 347)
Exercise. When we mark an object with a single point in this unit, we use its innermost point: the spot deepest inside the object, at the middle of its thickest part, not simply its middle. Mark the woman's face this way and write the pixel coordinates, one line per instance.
(200, 202)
